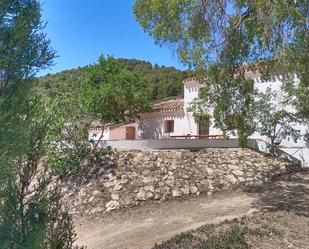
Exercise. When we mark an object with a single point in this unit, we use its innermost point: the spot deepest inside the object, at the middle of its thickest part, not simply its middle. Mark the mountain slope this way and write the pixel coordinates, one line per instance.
(162, 81)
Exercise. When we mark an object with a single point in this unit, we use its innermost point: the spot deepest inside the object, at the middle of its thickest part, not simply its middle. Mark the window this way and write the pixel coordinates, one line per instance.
(169, 126)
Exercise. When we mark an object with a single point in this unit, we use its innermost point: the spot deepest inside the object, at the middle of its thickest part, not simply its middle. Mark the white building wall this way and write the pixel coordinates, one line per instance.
(275, 86)
(96, 134)
(191, 92)
(151, 125)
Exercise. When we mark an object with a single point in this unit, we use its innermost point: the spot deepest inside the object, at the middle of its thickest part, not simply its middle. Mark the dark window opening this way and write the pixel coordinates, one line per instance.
(169, 126)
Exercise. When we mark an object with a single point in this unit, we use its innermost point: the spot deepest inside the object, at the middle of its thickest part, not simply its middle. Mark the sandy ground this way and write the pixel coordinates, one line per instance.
(143, 226)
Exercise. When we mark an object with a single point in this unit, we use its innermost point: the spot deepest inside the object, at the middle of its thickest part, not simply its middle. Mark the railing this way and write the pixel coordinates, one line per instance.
(189, 136)
(262, 146)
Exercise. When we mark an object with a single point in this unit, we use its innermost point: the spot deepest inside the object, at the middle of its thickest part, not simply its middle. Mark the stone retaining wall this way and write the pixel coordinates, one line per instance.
(128, 178)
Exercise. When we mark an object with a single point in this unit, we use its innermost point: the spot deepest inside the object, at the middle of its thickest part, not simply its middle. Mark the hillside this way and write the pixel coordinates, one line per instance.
(162, 81)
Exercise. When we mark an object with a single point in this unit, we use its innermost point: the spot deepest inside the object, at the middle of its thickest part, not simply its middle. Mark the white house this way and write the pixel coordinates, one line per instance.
(171, 119)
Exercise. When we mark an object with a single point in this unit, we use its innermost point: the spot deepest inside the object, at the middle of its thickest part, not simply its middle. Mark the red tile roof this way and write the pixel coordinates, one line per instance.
(169, 106)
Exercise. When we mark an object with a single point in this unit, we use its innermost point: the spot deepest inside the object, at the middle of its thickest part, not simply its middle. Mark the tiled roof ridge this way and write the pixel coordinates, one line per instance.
(169, 106)
(194, 79)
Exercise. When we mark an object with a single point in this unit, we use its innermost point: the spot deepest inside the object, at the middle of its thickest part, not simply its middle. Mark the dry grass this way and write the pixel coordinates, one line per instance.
(263, 230)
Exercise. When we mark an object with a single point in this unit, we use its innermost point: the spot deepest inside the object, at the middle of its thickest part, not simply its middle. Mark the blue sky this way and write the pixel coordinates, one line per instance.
(82, 30)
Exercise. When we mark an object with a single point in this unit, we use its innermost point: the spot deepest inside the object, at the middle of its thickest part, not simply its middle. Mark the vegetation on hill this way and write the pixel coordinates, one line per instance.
(160, 81)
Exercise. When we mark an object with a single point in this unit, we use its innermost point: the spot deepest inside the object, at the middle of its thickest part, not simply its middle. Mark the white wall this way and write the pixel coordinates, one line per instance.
(151, 125)
(275, 87)
(191, 91)
(96, 134)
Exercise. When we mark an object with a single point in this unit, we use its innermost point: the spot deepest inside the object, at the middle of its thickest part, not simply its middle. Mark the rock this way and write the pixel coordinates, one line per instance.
(122, 181)
(139, 158)
(241, 179)
(204, 182)
(176, 193)
(174, 166)
(156, 196)
(149, 195)
(112, 205)
(115, 197)
(111, 176)
(118, 187)
(193, 189)
(129, 203)
(82, 192)
(149, 180)
(238, 172)
(185, 190)
(96, 210)
(141, 195)
(96, 193)
(232, 167)
(249, 174)
(231, 179)
(210, 171)
(109, 184)
(91, 199)
(149, 189)
(170, 181)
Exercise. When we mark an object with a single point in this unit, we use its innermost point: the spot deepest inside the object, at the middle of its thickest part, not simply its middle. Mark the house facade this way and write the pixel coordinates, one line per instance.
(171, 119)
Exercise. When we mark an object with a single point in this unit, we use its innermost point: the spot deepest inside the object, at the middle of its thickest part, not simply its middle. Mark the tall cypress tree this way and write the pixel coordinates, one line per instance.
(31, 212)
(24, 48)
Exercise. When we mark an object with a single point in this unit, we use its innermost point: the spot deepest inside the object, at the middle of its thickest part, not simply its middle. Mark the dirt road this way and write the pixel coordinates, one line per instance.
(152, 223)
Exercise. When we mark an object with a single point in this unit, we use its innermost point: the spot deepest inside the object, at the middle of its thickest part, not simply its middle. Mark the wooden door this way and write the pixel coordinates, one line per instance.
(130, 133)
(203, 129)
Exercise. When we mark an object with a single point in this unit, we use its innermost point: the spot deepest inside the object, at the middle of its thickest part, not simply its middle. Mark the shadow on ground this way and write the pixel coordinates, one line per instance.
(291, 195)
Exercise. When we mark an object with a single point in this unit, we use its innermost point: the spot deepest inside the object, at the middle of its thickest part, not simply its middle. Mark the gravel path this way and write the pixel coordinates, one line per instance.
(144, 226)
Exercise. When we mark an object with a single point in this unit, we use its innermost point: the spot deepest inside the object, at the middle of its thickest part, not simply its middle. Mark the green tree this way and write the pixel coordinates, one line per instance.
(24, 48)
(231, 102)
(275, 123)
(271, 37)
(105, 93)
(112, 94)
(31, 212)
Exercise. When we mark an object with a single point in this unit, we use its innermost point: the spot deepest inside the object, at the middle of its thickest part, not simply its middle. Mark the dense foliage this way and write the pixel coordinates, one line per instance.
(24, 48)
(160, 81)
(31, 212)
(227, 38)
(112, 94)
(103, 93)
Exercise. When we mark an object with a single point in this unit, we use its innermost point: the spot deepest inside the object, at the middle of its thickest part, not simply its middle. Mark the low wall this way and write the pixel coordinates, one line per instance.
(123, 179)
(174, 144)
(302, 154)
